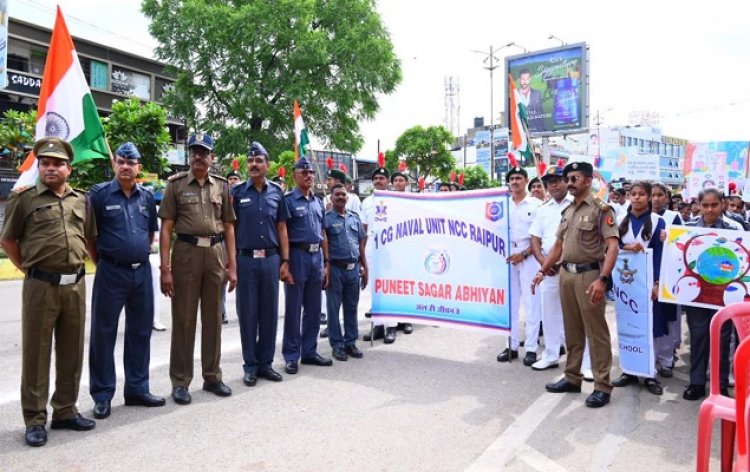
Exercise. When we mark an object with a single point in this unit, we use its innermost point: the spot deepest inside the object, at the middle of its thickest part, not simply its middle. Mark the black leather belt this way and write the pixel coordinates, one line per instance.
(346, 265)
(117, 262)
(56, 278)
(258, 253)
(306, 247)
(579, 268)
(201, 241)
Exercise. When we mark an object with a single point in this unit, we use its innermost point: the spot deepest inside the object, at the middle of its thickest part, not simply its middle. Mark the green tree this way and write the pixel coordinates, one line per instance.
(475, 177)
(428, 150)
(391, 160)
(285, 160)
(143, 124)
(17, 129)
(244, 63)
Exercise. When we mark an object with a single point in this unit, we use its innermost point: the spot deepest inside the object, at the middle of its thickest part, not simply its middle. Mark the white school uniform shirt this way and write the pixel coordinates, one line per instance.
(547, 220)
(521, 217)
(630, 238)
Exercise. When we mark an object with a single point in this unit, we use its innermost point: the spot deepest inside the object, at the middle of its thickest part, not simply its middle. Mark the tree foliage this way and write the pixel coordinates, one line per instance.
(17, 129)
(475, 178)
(240, 65)
(145, 125)
(427, 149)
(285, 160)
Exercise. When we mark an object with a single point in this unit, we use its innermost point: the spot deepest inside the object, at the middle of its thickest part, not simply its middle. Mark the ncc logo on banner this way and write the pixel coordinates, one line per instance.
(493, 211)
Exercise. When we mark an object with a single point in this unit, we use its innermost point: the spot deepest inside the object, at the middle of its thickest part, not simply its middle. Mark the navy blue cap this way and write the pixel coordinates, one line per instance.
(128, 151)
(303, 164)
(553, 171)
(202, 140)
(257, 149)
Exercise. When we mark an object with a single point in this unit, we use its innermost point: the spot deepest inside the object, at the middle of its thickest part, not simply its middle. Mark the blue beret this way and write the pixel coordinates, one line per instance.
(257, 149)
(303, 164)
(202, 140)
(128, 151)
(553, 171)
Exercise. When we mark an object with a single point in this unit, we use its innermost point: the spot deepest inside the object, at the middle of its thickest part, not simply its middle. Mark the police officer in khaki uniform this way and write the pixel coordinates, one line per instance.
(197, 207)
(586, 248)
(45, 232)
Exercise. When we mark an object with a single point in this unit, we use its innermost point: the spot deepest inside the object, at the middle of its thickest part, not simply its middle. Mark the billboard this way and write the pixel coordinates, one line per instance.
(553, 85)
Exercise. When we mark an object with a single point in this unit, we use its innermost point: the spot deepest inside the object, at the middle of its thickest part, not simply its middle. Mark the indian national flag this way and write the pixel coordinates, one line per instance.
(517, 122)
(66, 107)
(301, 140)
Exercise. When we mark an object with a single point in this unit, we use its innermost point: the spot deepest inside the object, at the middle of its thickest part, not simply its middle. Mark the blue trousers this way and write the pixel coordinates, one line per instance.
(343, 289)
(258, 309)
(116, 287)
(307, 270)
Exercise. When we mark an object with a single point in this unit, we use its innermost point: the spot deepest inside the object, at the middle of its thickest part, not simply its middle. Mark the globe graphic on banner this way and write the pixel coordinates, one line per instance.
(718, 265)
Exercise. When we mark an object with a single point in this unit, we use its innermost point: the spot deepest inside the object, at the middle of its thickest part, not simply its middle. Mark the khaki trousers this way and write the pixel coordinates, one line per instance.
(59, 311)
(584, 320)
(198, 274)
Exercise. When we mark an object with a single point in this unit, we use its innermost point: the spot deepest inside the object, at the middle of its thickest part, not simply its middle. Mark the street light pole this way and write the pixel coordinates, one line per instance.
(491, 58)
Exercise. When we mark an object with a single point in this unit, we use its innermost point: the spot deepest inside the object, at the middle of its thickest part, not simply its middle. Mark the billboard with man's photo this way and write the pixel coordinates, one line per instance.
(553, 85)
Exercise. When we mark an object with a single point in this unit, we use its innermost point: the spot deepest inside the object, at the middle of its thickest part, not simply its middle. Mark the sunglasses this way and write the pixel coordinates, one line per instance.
(572, 179)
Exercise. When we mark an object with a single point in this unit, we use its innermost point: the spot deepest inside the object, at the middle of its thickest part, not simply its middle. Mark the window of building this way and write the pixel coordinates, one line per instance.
(19, 63)
(99, 78)
(161, 88)
(131, 83)
(36, 61)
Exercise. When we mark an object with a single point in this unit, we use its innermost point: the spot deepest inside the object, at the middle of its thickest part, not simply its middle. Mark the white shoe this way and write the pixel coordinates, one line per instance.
(545, 363)
(588, 375)
(158, 326)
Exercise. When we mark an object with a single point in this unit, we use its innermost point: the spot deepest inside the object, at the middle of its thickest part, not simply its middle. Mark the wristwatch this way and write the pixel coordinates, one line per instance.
(604, 278)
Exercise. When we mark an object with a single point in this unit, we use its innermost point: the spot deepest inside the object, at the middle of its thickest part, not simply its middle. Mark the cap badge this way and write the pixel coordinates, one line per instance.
(51, 145)
(575, 165)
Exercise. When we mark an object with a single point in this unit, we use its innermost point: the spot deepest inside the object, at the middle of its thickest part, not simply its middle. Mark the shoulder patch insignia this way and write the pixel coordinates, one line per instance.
(610, 221)
(178, 175)
(23, 188)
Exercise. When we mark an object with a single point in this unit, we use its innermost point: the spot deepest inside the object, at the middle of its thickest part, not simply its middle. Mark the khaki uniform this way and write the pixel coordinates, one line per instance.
(584, 229)
(51, 232)
(198, 272)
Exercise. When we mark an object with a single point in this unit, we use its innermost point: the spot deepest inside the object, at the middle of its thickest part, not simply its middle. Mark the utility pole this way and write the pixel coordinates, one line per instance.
(490, 57)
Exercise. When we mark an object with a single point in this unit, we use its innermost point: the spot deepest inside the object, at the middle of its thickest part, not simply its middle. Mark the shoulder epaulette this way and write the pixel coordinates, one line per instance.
(178, 175)
(271, 182)
(23, 189)
(98, 187)
(82, 192)
(603, 206)
(220, 177)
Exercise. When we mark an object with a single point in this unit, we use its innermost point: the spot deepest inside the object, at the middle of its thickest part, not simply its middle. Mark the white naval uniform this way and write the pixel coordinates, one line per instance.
(545, 227)
(521, 216)
(368, 219)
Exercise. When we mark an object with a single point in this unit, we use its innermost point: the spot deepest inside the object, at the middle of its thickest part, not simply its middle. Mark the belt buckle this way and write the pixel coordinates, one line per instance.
(203, 241)
(573, 268)
(314, 248)
(135, 266)
(259, 253)
(350, 265)
(68, 279)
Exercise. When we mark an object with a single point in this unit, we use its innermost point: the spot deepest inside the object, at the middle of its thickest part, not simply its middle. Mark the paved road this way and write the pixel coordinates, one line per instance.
(435, 400)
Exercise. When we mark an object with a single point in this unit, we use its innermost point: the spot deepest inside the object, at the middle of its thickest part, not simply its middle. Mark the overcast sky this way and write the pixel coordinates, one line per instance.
(689, 61)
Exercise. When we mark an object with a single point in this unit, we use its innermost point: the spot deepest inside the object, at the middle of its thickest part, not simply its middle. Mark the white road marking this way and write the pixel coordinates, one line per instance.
(539, 461)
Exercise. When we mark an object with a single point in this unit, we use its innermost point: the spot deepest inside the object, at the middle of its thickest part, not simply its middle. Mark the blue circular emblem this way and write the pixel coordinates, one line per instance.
(437, 262)
(56, 126)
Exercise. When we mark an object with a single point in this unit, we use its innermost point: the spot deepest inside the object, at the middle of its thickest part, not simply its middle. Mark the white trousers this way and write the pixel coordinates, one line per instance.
(521, 276)
(551, 308)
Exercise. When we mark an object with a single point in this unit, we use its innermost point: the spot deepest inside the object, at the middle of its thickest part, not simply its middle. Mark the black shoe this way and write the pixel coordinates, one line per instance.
(368, 314)
(102, 409)
(408, 328)
(529, 359)
(562, 350)
(224, 318)
(624, 380)
(75, 422)
(597, 399)
(653, 386)
(324, 332)
(694, 392)
(217, 388)
(340, 355)
(507, 355)
(390, 336)
(318, 360)
(562, 386)
(36, 435)
(181, 395)
(291, 367)
(323, 318)
(147, 399)
(269, 374)
(378, 332)
(352, 351)
(249, 379)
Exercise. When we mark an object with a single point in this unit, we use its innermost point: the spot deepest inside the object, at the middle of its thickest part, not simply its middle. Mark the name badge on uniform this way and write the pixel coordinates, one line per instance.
(189, 194)
(244, 200)
(113, 207)
(586, 218)
(43, 208)
(300, 208)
